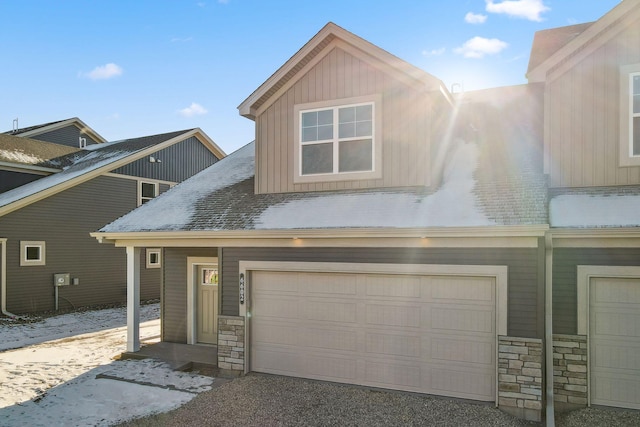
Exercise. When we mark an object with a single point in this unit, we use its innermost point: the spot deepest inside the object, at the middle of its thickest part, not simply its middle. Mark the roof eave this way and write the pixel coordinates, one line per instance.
(73, 121)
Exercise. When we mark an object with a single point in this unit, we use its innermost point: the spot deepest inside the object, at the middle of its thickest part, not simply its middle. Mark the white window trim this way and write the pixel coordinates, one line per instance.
(376, 173)
(626, 116)
(24, 262)
(156, 190)
(156, 251)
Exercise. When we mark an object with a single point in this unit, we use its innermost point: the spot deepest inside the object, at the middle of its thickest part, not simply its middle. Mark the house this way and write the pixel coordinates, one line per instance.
(57, 195)
(42, 150)
(591, 78)
(378, 231)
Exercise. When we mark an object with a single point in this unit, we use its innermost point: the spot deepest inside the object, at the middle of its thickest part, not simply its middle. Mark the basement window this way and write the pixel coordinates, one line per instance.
(32, 253)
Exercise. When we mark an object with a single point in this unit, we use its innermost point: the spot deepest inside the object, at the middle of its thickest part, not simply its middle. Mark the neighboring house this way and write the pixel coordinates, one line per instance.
(591, 78)
(71, 132)
(378, 232)
(45, 223)
(23, 160)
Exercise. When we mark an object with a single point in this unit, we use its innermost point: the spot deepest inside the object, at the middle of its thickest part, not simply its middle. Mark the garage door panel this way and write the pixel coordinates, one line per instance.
(614, 335)
(394, 344)
(462, 350)
(276, 282)
(275, 333)
(463, 289)
(465, 318)
(330, 311)
(402, 287)
(331, 339)
(276, 307)
(331, 368)
(393, 315)
(340, 284)
(397, 375)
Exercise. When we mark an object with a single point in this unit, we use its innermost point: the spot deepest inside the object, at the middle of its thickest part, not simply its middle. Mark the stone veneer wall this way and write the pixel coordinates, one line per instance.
(231, 343)
(570, 369)
(520, 377)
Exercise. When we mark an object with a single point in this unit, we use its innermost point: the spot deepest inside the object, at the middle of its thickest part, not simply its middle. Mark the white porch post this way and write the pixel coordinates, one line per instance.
(133, 299)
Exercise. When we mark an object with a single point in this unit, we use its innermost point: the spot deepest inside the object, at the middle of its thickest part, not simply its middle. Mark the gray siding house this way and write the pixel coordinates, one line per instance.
(59, 194)
(71, 132)
(379, 231)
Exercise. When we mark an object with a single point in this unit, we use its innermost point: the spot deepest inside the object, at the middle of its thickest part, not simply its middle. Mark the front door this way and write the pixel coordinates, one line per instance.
(207, 304)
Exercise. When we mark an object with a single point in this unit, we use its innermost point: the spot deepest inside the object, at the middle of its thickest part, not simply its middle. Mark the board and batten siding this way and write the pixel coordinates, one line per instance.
(406, 125)
(64, 221)
(565, 277)
(174, 292)
(525, 273)
(177, 162)
(68, 135)
(583, 117)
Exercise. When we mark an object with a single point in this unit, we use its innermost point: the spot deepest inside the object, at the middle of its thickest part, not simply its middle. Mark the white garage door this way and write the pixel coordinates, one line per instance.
(429, 334)
(614, 329)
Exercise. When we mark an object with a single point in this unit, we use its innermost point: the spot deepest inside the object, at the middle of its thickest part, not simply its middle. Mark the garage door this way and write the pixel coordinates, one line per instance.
(429, 334)
(614, 330)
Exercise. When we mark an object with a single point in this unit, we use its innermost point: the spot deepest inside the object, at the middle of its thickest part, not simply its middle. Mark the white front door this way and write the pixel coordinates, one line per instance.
(207, 304)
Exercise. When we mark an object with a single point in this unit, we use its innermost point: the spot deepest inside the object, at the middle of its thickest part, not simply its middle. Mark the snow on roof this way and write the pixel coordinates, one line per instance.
(454, 204)
(175, 208)
(593, 211)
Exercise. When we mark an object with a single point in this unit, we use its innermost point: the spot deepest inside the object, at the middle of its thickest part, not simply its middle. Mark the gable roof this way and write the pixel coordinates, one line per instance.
(91, 163)
(491, 179)
(30, 153)
(51, 126)
(570, 48)
(315, 49)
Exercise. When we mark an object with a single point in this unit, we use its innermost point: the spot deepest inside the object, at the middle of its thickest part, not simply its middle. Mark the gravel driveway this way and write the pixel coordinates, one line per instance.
(269, 400)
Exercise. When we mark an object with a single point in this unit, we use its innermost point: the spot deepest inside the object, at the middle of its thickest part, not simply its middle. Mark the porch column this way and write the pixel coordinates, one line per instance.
(133, 299)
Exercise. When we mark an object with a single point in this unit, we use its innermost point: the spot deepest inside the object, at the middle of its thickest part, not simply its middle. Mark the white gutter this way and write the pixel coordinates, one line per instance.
(3, 278)
(548, 328)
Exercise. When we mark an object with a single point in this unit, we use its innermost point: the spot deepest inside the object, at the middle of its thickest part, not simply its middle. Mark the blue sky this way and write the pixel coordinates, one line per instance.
(135, 68)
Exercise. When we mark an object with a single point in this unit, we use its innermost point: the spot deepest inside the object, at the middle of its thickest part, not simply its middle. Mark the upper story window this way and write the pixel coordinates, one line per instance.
(147, 191)
(337, 142)
(630, 115)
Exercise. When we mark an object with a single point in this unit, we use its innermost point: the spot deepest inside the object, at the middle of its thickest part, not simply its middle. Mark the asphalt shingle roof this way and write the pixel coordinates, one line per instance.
(547, 42)
(33, 152)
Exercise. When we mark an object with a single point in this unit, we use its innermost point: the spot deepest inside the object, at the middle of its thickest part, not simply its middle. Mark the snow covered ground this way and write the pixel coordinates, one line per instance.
(62, 371)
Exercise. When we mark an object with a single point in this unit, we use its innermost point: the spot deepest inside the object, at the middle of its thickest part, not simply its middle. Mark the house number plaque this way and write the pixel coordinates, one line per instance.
(241, 288)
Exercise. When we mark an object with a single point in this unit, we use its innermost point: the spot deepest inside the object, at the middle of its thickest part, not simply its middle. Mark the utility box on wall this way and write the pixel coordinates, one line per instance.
(62, 279)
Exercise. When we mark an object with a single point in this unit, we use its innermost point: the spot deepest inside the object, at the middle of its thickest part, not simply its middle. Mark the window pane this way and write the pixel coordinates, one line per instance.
(347, 130)
(356, 156)
(364, 112)
(325, 132)
(636, 104)
(364, 128)
(154, 258)
(347, 114)
(309, 134)
(636, 84)
(148, 190)
(317, 158)
(325, 117)
(309, 119)
(636, 136)
(32, 253)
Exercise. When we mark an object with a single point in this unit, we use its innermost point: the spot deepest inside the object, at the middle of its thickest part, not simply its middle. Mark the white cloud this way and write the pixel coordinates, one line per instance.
(473, 18)
(194, 109)
(103, 72)
(434, 52)
(478, 47)
(527, 9)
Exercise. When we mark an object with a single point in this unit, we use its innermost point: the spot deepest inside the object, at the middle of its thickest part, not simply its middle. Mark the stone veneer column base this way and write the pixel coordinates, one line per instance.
(570, 371)
(520, 377)
(231, 344)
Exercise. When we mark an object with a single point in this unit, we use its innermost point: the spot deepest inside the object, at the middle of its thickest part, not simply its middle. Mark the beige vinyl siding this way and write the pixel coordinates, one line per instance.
(64, 221)
(340, 75)
(582, 119)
